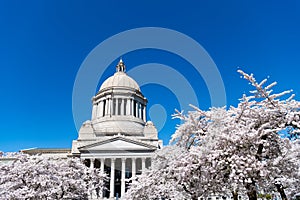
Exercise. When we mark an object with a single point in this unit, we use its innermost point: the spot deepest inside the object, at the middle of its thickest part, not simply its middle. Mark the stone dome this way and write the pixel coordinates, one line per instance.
(119, 106)
(120, 79)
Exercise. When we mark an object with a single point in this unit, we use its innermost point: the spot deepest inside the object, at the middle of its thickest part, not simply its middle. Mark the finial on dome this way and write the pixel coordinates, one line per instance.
(120, 67)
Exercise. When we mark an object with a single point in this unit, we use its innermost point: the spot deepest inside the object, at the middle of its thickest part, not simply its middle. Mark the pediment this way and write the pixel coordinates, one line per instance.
(118, 144)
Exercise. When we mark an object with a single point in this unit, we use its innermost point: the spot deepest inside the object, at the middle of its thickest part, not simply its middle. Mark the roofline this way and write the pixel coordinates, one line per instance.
(47, 150)
(8, 158)
(115, 138)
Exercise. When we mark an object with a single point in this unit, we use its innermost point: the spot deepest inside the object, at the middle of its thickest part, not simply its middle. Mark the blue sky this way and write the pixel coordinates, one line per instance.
(44, 43)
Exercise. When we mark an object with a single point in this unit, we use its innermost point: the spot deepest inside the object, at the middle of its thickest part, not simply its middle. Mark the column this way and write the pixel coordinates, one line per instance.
(133, 170)
(102, 165)
(106, 107)
(93, 192)
(117, 106)
(144, 113)
(112, 178)
(100, 109)
(123, 177)
(113, 109)
(143, 164)
(122, 106)
(102, 170)
(140, 110)
(132, 105)
(92, 163)
(94, 111)
(109, 106)
(137, 109)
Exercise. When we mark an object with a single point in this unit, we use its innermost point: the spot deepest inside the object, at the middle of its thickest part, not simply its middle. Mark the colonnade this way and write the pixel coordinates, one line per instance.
(100, 163)
(119, 106)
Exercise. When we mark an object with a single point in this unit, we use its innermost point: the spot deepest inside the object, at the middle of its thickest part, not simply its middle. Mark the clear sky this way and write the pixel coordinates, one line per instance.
(43, 44)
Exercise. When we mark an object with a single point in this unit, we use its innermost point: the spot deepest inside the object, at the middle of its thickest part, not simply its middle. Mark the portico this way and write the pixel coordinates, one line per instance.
(121, 158)
(120, 169)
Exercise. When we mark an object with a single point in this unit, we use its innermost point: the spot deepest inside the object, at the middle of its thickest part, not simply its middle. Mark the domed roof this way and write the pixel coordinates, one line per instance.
(120, 79)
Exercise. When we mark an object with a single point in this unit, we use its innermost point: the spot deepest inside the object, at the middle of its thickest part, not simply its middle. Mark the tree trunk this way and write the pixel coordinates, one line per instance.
(235, 195)
(251, 191)
(260, 149)
(194, 197)
(280, 189)
(252, 195)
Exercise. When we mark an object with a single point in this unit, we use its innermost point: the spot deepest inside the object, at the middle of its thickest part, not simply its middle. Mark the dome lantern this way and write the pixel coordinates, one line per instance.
(121, 66)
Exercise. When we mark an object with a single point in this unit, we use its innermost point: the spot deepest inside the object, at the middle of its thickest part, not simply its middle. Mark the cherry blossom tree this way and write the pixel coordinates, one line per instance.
(158, 182)
(247, 138)
(268, 114)
(37, 177)
(245, 150)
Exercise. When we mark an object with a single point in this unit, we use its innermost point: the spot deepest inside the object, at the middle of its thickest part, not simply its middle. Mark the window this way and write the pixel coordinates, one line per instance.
(134, 108)
(142, 112)
(104, 105)
(87, 162)
(114, 107)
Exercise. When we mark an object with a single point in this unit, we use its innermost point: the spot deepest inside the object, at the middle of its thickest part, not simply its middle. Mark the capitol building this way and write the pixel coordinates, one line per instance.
(118, 139)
